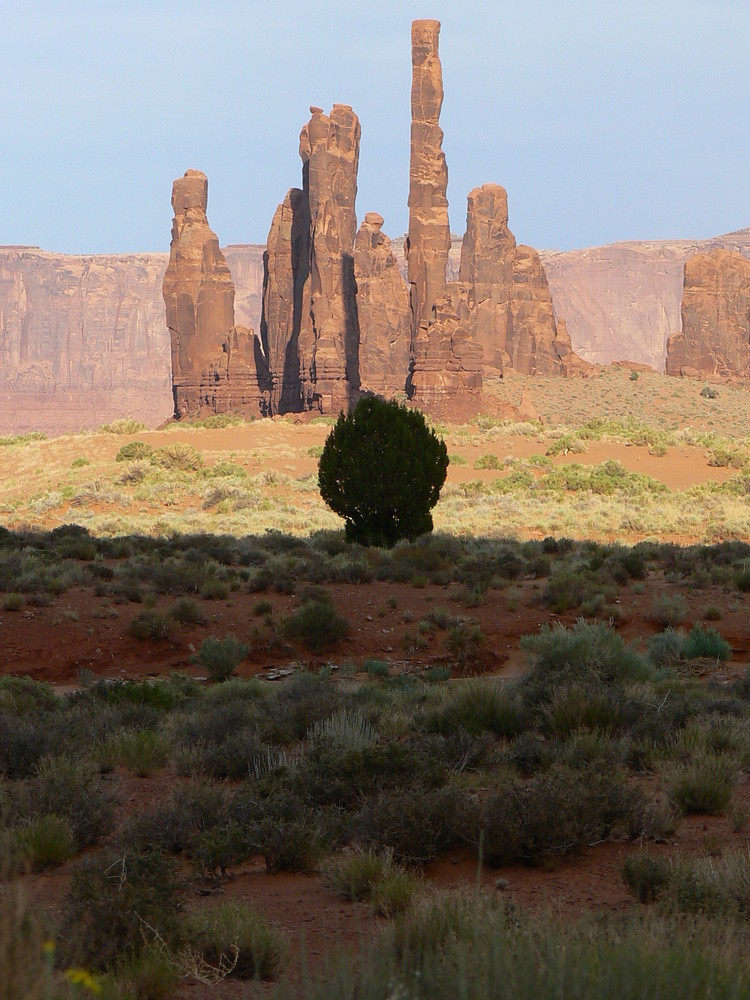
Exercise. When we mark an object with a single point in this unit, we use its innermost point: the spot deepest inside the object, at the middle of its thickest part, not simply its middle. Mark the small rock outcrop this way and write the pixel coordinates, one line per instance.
(715, 336)
(383, 311)
(429, 236)
(215, 367)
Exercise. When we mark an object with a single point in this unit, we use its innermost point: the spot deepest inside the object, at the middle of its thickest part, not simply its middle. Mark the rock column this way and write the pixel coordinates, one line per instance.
(428, 241)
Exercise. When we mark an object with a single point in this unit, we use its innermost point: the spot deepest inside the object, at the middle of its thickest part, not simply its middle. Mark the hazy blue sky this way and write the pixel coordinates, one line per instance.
(604, 120)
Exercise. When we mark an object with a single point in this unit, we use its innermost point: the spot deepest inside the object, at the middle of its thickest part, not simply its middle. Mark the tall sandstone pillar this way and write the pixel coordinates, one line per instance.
(329, 333)
(310, 328)
(487, 254)
(215, 366)
(429, 236)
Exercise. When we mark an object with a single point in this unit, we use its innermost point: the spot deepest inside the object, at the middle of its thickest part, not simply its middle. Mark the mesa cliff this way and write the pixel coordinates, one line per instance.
(715, 335)
(83, 340)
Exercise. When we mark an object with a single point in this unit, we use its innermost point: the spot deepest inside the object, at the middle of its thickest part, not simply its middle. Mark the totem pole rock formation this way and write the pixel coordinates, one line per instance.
(429, 236)
(446, 363)
(715, 337)
(383, 311)
(215, 366)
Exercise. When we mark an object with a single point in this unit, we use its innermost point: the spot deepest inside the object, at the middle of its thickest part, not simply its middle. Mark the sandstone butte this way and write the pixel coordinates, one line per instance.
(715, 335)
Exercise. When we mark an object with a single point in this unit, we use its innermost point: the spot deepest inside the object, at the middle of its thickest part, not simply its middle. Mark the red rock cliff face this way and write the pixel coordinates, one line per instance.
(82, 340)
(215, 366)
(715, 336)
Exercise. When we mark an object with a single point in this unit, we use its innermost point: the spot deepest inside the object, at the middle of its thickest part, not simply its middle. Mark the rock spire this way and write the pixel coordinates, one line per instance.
(215, 367)
(429, 237)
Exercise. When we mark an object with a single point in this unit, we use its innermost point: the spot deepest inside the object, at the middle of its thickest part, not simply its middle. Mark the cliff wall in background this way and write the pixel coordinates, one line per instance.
(84, 340)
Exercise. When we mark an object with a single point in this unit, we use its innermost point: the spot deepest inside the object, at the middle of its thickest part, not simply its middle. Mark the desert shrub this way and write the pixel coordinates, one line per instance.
(287, 833)
(465, 642)
(126, 425)
(218, 421)
(316, 623)
(236, 935)
(646, 875)
(177, 456)
(149, 975)
(344, 730)
(112, 898)
(296, 706)
(555, 813)
(221, 657)
(669, 610)
(133, 451)
(373, 877)
(666, 648)
(488, 462)
(152, 625)
(706, 642)
(579, 706)
(26, 953)
(13, 602)
(142, 751)
(187, 612)
(22, 695)
(376, 668)
(214, 589)
(356, 873)
(708, 392)
(479, 707)
(71, 789)
(46, 842)
(413, 822)
(586, 653)
(382, 470)
(704, 785)
(176, 825)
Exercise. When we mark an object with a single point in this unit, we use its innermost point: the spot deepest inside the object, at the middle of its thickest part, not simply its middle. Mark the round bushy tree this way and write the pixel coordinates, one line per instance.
(382, 469)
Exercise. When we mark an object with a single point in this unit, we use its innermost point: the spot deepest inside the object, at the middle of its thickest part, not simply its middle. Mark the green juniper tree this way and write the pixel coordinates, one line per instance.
(382, 469)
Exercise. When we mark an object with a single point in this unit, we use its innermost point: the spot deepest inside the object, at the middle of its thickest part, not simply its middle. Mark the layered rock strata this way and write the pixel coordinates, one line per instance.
(715, 336)
(83, 340)
(383, 311)
(215, 366)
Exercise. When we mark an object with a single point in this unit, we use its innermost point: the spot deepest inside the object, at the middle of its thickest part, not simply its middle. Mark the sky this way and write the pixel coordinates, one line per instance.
(604, 120)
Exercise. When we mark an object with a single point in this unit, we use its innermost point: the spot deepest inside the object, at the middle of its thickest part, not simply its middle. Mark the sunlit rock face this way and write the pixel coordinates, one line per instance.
(216, 367)
(715, 336)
